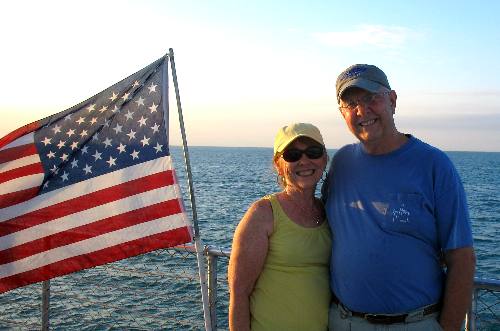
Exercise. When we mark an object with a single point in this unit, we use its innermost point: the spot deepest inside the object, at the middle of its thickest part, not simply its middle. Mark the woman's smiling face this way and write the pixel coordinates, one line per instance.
(304, 173)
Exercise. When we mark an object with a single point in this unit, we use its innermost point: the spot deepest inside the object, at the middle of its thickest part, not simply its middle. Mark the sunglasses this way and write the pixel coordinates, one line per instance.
(294, 154)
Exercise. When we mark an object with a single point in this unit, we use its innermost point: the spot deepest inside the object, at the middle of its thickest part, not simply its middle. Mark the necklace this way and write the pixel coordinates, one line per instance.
(307, 213)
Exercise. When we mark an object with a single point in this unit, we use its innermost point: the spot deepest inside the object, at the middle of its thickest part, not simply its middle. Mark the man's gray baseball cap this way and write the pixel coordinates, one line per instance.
(365, 76)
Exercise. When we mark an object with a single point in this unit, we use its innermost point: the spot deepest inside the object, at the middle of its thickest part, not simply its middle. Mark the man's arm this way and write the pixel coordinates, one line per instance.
(460, 265)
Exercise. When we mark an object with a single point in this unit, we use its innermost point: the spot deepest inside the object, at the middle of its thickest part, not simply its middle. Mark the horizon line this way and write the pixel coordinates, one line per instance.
(328, 148)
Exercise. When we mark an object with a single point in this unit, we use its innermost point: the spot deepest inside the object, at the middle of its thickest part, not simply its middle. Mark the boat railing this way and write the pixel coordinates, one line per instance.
(160, 290)
(484, 313)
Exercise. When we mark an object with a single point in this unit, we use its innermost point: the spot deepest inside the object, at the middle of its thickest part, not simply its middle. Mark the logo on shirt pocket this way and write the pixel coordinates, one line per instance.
(403, 213)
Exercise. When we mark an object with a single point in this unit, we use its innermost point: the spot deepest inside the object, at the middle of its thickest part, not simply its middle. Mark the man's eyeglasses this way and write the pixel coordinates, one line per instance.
(295, 154)
(368, 99)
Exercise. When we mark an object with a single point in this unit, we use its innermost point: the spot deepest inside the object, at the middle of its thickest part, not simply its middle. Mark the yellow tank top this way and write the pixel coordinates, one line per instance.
(293, 292)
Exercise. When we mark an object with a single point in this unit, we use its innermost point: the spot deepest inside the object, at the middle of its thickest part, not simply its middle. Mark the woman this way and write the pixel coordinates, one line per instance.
(278, 271)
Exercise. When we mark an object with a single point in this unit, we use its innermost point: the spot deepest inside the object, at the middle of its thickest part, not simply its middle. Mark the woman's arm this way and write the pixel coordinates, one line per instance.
(249, 251)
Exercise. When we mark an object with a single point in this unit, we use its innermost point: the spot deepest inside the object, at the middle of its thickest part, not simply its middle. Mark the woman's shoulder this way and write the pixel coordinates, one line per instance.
(262, 207)
(260, 214)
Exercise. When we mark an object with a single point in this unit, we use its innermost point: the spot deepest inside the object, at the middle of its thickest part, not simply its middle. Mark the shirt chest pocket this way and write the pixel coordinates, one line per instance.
(408, 213)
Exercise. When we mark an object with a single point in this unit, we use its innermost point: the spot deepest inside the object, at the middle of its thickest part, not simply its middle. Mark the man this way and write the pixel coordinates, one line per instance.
(402, 245)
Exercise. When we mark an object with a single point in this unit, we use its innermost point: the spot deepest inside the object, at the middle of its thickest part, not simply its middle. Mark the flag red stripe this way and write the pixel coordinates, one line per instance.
(87, 201)
(18, 133)
(110, 254)
(17, 152)
(86, 220)
(94, 229)
(26, 170)
(10, 199)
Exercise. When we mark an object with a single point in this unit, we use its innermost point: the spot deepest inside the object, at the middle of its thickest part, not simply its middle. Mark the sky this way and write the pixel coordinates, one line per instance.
(246, 68)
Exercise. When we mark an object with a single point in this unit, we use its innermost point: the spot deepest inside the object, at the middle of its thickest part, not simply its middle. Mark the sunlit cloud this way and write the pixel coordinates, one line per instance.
(367, 35)
(449, 132)
(480, 121)
(467, 94)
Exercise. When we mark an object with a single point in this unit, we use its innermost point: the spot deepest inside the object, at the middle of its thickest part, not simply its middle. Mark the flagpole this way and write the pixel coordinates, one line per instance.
(197, 239)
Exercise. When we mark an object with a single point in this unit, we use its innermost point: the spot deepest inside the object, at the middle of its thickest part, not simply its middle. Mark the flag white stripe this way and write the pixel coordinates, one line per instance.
(94, 244)
(21, 183)
(21, 162)
(24, 140)
(87, 187)
(89, 216)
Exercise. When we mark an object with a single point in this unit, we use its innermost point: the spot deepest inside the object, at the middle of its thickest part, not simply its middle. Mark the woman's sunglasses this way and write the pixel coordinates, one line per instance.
(294, 154)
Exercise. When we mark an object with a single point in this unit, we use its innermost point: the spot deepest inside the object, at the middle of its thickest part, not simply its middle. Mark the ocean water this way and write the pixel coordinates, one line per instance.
(227, 180)
(154, 291)
(480, 173)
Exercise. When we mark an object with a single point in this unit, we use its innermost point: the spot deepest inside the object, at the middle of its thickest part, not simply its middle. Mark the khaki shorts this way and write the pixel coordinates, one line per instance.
(339, 321)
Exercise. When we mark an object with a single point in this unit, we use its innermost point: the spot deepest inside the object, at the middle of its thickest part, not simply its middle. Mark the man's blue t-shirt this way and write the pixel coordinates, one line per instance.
(391, 217)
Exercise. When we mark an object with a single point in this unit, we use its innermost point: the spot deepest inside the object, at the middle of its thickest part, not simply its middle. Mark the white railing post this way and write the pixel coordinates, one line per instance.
(45, 304)
(471, 316)
(212, 288)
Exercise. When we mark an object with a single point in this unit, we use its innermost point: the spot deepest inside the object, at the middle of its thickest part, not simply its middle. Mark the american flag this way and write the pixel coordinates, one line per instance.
(90, 185)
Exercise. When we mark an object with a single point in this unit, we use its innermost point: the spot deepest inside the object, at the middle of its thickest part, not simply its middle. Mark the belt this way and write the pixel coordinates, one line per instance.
(387, 319)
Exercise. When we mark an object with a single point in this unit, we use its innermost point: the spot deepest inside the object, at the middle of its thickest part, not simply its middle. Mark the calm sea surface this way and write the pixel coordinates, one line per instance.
(135, 294)
(227, 180)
